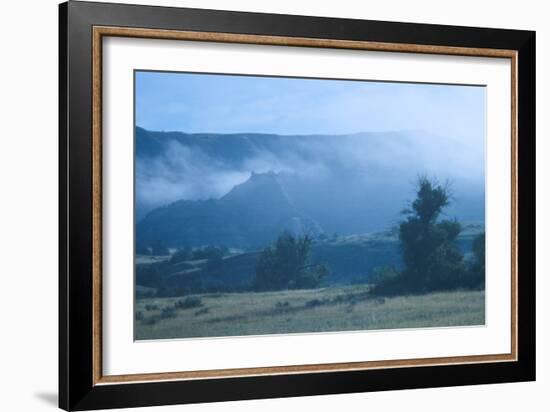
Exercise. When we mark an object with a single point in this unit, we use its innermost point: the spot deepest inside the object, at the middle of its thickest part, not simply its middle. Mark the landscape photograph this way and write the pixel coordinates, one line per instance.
(278, 205)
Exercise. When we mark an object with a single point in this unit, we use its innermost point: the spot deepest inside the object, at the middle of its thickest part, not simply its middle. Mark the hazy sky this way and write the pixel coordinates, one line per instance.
(197, 103)
(437, 130)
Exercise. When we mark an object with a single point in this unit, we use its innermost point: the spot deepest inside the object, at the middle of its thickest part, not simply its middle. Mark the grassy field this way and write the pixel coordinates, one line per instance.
(316, 310)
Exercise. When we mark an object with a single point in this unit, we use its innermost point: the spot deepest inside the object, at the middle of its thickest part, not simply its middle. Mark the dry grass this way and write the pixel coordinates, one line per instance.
(300, 311)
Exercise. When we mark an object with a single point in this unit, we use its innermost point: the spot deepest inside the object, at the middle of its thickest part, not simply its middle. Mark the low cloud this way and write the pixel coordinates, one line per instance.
(182, 173)
(382, 159)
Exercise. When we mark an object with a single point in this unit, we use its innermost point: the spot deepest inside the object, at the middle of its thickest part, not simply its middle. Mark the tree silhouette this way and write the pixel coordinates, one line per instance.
(285, 265)
(431, 256)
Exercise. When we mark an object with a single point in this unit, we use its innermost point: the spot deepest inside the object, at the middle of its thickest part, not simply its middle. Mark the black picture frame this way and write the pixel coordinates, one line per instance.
(77, 390)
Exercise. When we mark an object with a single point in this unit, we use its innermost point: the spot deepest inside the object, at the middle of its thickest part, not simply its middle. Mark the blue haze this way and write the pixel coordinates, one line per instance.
(388, 133)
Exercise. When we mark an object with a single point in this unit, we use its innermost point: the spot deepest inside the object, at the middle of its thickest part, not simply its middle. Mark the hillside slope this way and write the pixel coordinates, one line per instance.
(250, 216)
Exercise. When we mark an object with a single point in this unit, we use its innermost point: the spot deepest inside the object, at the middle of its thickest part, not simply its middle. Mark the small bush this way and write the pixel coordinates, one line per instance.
(387, 282)
(149, 321)
(202, 311)
(383, 274)
(353, 300)
(168, 313)
(282, 305)
(150, 307)
(342, 299)
(188, 303)
(314, 302)
(139, 315)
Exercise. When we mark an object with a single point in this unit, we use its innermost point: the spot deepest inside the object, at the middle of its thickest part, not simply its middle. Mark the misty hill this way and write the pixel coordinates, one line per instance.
(250, 216)
(353, 183)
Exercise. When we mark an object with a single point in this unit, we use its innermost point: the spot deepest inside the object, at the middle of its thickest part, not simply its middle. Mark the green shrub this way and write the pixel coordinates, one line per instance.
(286, 265)
(282, 305)
(188, 302)
(168, 312)
(387, 281)
(202, 311)
(342, 299)
(383, 274)
(314, 303)
(149, 321)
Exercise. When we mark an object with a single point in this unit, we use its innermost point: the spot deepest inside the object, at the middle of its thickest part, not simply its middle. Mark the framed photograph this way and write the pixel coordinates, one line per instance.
(256, 205)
